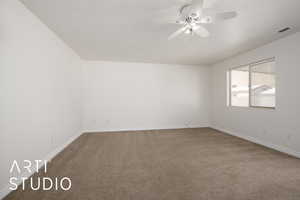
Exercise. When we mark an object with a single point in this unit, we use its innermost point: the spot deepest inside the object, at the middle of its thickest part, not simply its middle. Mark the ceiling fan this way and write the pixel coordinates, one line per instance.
(192, 16)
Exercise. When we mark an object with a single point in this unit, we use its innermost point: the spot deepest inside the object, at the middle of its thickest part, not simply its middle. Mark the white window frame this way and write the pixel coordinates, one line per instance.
(250, 65)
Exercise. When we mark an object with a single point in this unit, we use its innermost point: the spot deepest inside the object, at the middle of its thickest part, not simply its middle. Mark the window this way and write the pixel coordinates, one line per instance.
(260, 77)
(240, 86)
(263, 84)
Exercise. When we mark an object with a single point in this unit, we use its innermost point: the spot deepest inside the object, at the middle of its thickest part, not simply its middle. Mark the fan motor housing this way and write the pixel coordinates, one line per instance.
(189, 15)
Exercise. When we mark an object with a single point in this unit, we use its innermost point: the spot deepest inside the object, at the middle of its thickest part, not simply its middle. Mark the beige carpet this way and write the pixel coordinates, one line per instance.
(185, 164)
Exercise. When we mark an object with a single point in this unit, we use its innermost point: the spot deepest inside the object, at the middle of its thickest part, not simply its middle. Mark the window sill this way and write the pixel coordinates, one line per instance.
(253, 107)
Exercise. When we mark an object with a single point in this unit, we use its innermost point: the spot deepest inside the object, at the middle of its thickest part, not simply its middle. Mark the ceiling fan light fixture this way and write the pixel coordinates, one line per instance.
(193, 17)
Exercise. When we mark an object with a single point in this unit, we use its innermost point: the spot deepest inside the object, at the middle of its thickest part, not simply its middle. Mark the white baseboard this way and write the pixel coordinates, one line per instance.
(5, 191)
(260, 142)
(142, 129)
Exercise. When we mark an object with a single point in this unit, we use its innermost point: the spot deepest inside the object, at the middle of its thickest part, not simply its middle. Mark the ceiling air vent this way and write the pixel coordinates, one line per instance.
(284, 30)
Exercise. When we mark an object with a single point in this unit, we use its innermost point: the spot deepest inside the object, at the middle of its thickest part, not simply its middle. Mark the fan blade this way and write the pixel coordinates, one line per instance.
(201, 31)
(168, 20)
(210, 16)
(226, 15)
(176, 33)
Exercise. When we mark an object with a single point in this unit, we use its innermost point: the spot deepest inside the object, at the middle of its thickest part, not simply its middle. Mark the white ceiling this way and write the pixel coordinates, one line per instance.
(129, 30)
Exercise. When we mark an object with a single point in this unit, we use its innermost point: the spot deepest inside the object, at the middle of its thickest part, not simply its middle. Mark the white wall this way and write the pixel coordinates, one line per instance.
(40, 89)
(278, 128)
(131, 96)
(41, 99)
